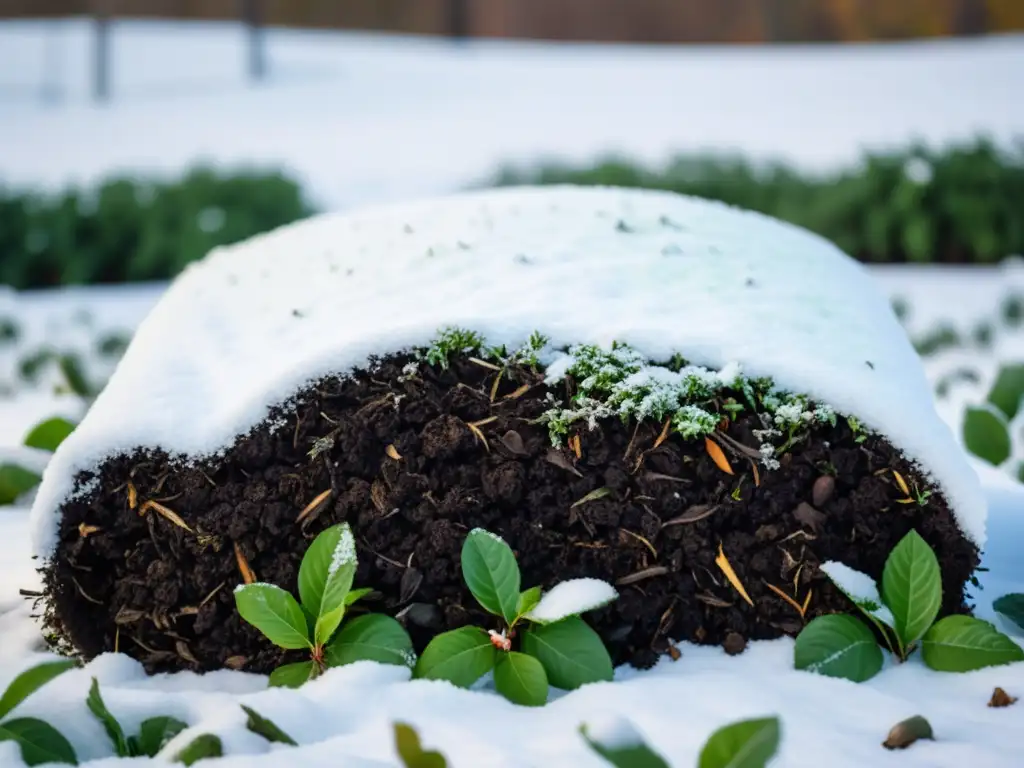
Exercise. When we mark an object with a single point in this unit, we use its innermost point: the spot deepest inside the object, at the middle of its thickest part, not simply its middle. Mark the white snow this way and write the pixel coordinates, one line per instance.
(373, 118)
(860, 588)
(225, 342)
(344, 551)
(613, 732)
(571, 598)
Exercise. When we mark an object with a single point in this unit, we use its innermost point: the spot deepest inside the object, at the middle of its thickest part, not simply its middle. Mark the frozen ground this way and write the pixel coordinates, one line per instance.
(366, 118)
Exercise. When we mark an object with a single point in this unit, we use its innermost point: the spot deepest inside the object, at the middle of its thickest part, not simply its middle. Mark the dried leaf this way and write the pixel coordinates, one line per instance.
(559, 459)
(822, 490)
(313, 505)
(738, 447)
(235, 662)
(905, 733)
(494, 386)
(183, 651)
(723, 562)
(393, 453)
(411, 580)
(594, 495)
(513, 441)
(519, 392)
(901, 482)
(128, 616)
(674, 653)
(692, 515)
(807, 600)
(577, 446)
(484, 364)
(664, 434)
(642, 540)
(646, 573)
(717, 602)
(379, 496)
(168, 514)
(243, 566)
(787, 598)
(717, 455)
(84, 530)
(1001, 698)
(133, 496)
(757, 474)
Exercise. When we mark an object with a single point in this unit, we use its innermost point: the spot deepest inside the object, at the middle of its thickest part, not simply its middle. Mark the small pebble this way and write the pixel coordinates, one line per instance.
(823, 489)
(734, 643)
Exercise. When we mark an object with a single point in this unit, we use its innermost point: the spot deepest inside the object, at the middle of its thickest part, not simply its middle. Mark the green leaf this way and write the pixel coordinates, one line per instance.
(1008, 389)
(113, 728)
(275, 613)
(373, 637)
(570, 651)
(154, 733)
(521, 679)
(15, 482)
(40, 742)
(491, 573)
(527, 601)
(1012, 607)
(838, 646)
(293, 675)
(461, 656)
(912, 587)
(49, 434)
(202, 746)
(625, 755)
(963, 643)
(411, 753)
(571, 598)
(261, 726)
(325, 577)
(30, 681)
(746, 744)
(356, 594)
(327, 624)
(71, 366)
(986, 434)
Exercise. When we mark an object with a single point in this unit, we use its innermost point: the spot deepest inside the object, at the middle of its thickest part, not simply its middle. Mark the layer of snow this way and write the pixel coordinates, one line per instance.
(371, 118)
(253, 323)
(345, 717)
(860, 588)
(571, 598)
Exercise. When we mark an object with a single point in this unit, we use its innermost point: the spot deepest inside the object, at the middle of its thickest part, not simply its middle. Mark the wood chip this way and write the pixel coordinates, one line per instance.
(560, 460)
(166, 513)
(901, 482)
(822, 490)
(393, 453)
(692, 515)
(664, 434)
(594, 495)
(906, 732)
(577, 446)
(133, 496)
(717, 456)
(243, 566)
(484, 364)
(642, 540)
(315, 504)
(513, 442)
(85, 530)
(1001, 698)
(723, 563)
(647, 573)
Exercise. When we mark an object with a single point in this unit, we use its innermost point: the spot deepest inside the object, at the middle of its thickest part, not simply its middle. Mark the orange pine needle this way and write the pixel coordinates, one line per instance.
(723, 562)
(133, 496)
(807, 600)
(901, 482)
(664, 433)
(243, 565)
(717, 455)
(164, 512)
(786, 597)
(577, 446)
(757, 475)
(312, 506)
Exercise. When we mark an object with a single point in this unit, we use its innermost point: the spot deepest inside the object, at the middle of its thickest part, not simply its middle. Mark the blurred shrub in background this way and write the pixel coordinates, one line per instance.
(961, 204)
(135, 229)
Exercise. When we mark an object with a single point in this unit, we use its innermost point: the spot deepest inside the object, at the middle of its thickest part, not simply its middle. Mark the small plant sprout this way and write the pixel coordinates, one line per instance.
(556, 647)
(411, 752)
(153, 735)
(325, 589)
(38, 741)
(16, 480)
(904, 615)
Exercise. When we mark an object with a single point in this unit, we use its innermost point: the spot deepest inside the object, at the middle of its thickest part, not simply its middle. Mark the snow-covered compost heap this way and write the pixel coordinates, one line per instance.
(633, 386)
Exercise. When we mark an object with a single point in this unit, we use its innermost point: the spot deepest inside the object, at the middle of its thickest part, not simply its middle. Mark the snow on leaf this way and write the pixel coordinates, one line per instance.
(571, 598)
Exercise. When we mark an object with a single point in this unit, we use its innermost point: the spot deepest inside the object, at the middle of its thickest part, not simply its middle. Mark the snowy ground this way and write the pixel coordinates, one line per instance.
(365, 118)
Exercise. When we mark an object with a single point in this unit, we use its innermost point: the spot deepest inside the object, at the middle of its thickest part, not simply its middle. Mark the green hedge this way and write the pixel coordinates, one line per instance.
(962, 204)
(130, 229)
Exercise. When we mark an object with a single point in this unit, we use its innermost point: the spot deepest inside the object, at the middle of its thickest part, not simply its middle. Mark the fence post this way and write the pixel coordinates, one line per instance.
(252, 11)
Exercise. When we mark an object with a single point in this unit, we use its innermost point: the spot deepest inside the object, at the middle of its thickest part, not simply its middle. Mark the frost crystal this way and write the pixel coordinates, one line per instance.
(494, 536)
(344, 551)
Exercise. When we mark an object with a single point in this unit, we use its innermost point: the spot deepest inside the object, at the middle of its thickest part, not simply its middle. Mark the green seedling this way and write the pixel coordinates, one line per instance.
(986, 433)
(325, 589)
(201, 747)
(411, 752)
(153, 735)
(905, 615)
(15, 480)
(556, 647)
(266, 728)
(38, 741)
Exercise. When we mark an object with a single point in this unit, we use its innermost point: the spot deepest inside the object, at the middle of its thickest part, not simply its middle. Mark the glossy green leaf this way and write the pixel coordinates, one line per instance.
(275, 613)
(356, 594)
(1012, 607)
(986, 434)
(461, 656)
(325, 577)
(30, 681)
(49, 434)
(15, 482)
(963, 643)
(373, 637)
(521, 679)
(746, 744)
(491, 573)
(527, 601)
(838, 646)
(912, 587)
(39, 741)
(570, 651)
(202, 746)
(155, 732)
(293, 675)
(411, 752)
(1008, 389)
(113, 728)
(269, 730)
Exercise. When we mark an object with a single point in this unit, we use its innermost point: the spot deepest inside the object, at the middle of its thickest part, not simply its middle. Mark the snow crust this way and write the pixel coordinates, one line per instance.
(571, 598)
(252, 323)
(860, 588)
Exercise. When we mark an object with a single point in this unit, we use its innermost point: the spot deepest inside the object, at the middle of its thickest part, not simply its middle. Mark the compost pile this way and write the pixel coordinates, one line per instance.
(413, 455)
